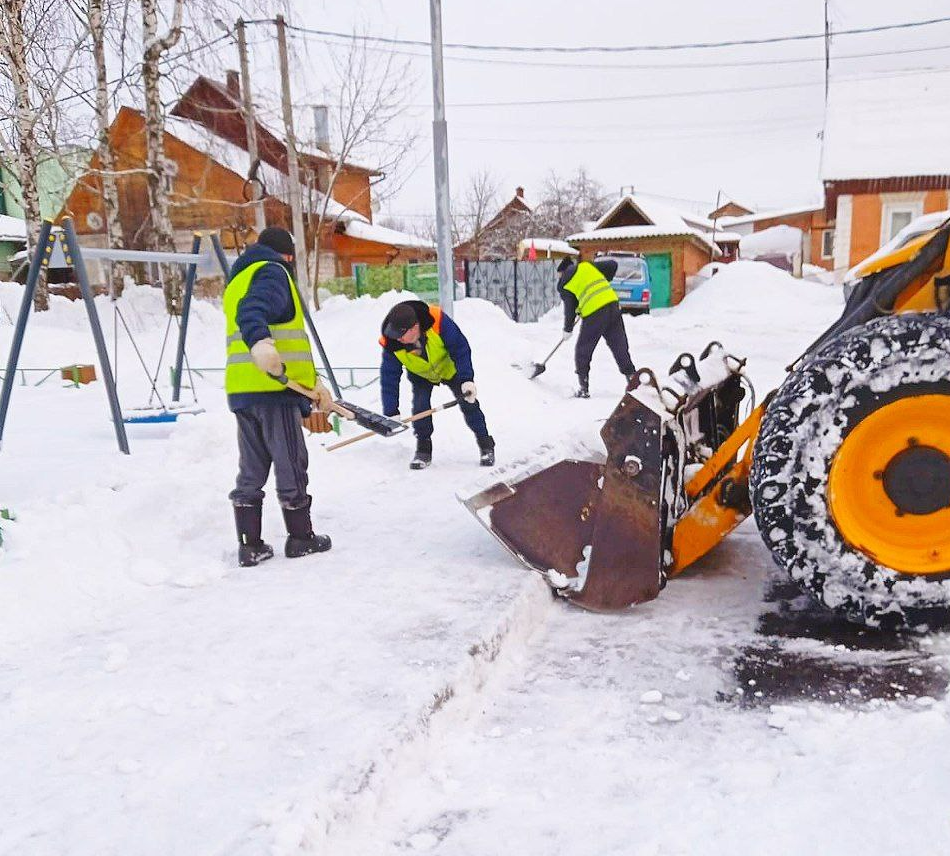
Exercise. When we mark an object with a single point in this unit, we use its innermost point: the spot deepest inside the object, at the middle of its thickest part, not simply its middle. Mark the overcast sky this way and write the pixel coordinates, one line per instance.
(760, 146)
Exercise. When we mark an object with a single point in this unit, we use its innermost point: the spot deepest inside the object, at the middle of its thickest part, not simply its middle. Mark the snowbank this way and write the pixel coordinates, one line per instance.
(775, 241)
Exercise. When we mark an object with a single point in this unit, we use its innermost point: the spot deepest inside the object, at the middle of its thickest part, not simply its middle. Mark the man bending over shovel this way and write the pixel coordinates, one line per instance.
(266, 340)
(433, 351)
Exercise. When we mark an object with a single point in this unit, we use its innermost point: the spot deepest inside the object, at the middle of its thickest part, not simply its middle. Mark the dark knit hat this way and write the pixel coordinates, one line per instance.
(277, 239)
(401, 317)
(566, 262)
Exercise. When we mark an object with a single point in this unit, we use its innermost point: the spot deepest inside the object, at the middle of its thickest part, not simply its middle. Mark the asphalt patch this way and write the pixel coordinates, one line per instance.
(802, 651)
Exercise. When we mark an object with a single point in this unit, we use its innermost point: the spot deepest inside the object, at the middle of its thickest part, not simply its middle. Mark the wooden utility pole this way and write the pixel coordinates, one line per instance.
(251, 128)
(293, 169)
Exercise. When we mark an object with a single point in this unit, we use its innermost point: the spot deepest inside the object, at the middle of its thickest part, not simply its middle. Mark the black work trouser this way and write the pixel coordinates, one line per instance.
(422, 400)
(607, 324)
(271, 434)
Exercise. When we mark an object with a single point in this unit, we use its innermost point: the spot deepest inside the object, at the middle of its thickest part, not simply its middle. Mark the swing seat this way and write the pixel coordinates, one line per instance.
(155, 415)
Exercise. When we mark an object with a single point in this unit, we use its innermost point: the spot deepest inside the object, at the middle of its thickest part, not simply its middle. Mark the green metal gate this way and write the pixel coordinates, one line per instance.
(661, 273)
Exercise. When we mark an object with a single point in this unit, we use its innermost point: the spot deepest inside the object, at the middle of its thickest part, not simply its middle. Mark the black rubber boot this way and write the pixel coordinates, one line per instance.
(486, 446)
(301, 540)
(583, 391)
(423, 455)
(251, 549)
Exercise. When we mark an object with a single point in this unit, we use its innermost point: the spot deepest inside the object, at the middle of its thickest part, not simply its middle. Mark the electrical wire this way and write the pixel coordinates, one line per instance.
(579, 49)
(607, 66)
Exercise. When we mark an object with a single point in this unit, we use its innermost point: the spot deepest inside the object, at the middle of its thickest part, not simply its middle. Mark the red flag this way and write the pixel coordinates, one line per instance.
(532, 253)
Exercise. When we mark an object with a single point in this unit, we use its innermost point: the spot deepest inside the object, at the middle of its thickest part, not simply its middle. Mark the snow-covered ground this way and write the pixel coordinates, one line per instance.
(414, 690)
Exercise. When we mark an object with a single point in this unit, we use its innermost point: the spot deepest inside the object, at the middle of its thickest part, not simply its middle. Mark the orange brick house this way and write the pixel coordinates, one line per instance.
(885, 158)
(674, 248)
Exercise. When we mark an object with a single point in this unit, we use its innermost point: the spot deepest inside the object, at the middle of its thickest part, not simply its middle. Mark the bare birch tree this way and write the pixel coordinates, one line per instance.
(95, 12)
(13, 45)
(154, 47)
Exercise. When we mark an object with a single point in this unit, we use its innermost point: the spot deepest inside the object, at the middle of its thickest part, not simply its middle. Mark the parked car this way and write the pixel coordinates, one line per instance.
(631, 282)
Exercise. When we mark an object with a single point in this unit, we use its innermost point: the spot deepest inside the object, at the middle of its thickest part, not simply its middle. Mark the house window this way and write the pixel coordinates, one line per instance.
(896, 215)
(828, 244)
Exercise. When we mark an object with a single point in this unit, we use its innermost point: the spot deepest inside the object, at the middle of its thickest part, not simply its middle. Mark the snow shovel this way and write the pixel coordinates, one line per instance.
(539, 368)
(405, 422)
(375, 422)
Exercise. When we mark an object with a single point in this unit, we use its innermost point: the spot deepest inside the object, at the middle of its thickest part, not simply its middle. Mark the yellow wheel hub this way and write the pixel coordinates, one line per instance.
(889, 485)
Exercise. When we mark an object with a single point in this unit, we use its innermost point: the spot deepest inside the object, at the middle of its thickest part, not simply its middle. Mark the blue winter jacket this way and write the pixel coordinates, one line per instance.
(268, 301)
(390, 369)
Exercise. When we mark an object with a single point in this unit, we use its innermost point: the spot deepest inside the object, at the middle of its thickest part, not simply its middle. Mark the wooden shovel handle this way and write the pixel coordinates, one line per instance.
(367, 434)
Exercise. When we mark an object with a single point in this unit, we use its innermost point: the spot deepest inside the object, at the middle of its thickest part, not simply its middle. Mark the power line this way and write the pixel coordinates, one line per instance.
(632, 66)
(614, 48)
(687, 93)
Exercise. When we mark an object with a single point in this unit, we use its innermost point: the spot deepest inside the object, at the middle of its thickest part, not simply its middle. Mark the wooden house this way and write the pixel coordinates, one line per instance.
(208, 164)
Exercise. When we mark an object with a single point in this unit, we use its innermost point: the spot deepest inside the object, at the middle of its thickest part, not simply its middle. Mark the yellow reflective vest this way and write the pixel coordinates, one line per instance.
(290, 339)
(437, 365)
(591, 289)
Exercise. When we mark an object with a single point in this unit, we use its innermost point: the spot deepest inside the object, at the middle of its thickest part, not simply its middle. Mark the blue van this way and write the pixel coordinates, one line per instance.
(631, 282)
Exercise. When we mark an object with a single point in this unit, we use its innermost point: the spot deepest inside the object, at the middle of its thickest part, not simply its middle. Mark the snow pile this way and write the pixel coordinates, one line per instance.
(775, 241)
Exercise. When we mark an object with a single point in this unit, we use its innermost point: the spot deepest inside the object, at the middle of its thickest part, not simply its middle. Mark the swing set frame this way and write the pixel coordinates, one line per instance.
(75, 256)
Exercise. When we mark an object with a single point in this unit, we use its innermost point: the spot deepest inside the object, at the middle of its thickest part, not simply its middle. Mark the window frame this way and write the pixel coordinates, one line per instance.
(913, 207)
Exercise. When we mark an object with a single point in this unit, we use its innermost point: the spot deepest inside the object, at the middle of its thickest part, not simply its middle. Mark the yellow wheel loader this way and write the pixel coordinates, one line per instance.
(846, 466)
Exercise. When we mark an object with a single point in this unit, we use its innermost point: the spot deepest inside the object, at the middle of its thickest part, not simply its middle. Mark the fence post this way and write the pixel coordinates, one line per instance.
(515, 265)
(468, 287)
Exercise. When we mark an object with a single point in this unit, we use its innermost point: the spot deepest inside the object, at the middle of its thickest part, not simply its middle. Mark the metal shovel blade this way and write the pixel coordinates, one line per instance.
(536, 369)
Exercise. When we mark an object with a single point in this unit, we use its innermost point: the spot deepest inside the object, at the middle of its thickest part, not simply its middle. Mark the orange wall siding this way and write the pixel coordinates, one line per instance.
(865, 226)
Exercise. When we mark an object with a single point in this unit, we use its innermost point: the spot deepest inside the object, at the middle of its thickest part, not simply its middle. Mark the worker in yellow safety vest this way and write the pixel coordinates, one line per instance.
(432, 349)
(267, 345)
(586, 292)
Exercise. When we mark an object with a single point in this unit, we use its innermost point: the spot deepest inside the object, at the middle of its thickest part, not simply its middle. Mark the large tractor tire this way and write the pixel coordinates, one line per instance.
(850, 480)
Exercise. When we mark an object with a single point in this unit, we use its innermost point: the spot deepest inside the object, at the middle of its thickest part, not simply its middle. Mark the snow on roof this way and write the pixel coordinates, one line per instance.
(620, 233)
(237, 160)
(12, 228)
(725, 235)
(887, 125)
(738, 220)
(657, 213)
(364, 231)
(548, 245)
(776, 240)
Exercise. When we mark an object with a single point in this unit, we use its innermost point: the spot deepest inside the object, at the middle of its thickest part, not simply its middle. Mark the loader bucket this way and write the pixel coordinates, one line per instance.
(591, 529)
(599, 527)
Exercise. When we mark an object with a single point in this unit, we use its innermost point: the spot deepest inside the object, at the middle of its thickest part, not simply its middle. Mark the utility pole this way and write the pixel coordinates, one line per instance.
(249, 124)
(440, 152)
(827, 52)
(293, 169)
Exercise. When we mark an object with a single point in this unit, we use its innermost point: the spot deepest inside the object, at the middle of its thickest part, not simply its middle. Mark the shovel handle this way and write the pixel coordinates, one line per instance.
(367, 434)
(308, 393)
